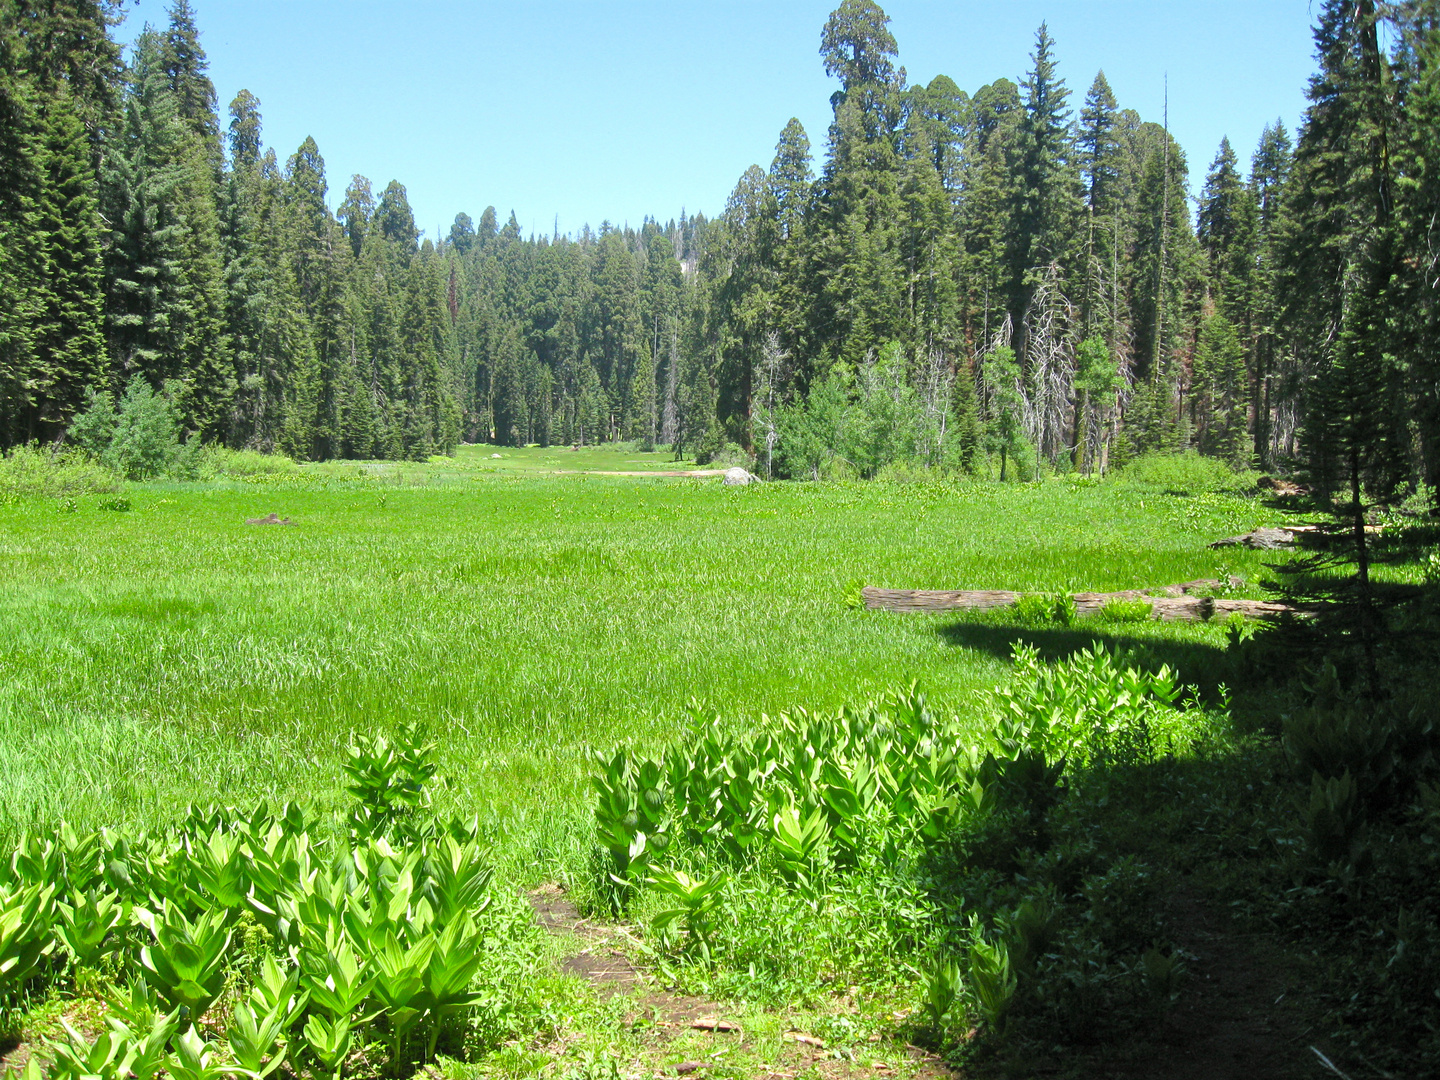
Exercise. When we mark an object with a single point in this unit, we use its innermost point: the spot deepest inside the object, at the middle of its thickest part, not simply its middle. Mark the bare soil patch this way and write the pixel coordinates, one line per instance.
(670, 1016)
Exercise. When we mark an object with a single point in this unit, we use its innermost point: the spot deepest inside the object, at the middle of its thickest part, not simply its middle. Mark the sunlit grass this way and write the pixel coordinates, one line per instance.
(175, 654)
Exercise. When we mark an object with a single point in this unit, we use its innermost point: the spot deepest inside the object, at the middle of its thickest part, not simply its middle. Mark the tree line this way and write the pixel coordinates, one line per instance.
(1007, 278)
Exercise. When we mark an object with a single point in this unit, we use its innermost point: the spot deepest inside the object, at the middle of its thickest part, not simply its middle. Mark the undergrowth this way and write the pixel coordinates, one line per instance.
(834, 851)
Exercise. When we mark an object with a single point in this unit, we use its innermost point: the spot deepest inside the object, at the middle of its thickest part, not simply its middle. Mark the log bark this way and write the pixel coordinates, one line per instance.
(1169, 603)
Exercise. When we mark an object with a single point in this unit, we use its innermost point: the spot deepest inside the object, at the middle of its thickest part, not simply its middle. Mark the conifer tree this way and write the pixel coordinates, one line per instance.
(791, 182)
(987, 208)
(69, 332)
(145, 175)
(1226, 229)
(1339, 260)
(1047, 185)
(1099, 156)
(1218, 397)
(185, 64)
(855, 270)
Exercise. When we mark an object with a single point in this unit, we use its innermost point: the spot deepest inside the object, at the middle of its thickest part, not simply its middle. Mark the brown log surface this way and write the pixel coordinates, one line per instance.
(1168, 603)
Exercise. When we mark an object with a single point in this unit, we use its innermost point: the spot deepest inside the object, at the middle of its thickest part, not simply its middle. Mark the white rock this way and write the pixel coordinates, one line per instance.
(494, 455)
(738, 477)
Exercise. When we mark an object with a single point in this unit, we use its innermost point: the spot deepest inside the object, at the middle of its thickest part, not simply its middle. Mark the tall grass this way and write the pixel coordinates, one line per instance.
(47, 472)
(175, 654)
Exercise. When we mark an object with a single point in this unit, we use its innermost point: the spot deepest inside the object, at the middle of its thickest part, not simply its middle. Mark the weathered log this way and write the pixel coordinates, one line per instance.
(1169, 603)
(1285, 536)
(1260, 540)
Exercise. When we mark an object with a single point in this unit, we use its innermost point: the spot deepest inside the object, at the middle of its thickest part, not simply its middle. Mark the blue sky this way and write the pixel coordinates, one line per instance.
(611, 111)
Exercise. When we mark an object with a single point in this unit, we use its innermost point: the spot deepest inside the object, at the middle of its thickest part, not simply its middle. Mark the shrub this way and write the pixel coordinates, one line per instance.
(146, 441)
(728, 457)
(1186, 474)
(214, 461)
(94, 428)
(52, 473)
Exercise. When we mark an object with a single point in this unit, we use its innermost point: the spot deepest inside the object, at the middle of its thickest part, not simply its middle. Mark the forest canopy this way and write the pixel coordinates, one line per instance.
(1010, 276)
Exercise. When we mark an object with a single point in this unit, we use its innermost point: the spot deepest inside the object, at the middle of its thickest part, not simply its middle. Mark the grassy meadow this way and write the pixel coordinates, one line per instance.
(521, 608)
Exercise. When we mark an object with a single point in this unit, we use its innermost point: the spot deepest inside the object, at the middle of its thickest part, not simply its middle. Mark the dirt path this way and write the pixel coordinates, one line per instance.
(672, 1018)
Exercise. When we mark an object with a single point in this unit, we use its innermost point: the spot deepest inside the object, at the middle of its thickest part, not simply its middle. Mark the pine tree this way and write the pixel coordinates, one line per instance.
(987, 209)
(144, 189)
(1340, 260)
(1048, 184)
(1226, 231)
(1218, 395)
(69, 338)
(791, 183)
(855, 270)
(1416, 300)
(185, 65)
(1269, 175)
(21, 254)
(1099, 155)
(356, 211)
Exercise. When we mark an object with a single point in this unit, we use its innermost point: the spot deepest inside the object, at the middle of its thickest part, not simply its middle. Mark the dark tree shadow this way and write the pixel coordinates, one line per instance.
(1196, 663)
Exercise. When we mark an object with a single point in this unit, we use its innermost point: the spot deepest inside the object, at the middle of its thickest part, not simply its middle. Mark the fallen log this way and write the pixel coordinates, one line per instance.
(1286, 536)
(1168, 603)
(1261, 540)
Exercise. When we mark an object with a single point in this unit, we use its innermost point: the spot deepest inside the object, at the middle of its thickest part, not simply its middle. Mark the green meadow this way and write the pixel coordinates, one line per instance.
(521, 609)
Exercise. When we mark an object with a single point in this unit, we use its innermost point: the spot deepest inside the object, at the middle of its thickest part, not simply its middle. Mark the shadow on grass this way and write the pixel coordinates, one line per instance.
(1196, 663)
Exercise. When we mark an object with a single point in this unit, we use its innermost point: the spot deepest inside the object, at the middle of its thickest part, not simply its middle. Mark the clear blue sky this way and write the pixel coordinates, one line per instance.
(612, 111)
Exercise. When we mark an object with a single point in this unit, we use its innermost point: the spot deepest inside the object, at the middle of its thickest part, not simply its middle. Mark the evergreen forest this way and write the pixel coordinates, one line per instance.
(1018, 278)
(383, 694)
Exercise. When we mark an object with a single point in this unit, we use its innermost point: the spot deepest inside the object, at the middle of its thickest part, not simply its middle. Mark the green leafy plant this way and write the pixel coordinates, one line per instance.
(1164, 975)
(944, 990)
(399, 984)
(800, 841)
(31, 1070)
(698, 901)
(277, 990)
(454, 962)
(332, 975)
(631, 819)
(991, 978)
(136, 1016)
(257, 1039)
(1335, 823)
(388, 777)
(86, 925)
(194, 1057)
(26, 916)
(108, 1057)
(329, 1041)
(454, 879)
(218, 867)
(185, 962)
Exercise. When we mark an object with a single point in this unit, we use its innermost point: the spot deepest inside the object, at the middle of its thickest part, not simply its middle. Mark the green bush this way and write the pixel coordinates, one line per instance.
(94, 428)
(147, 433)
(141, 439)
(214, 462)
(318, 943)
(52, 473)
(727, 457)
(1186, 474)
